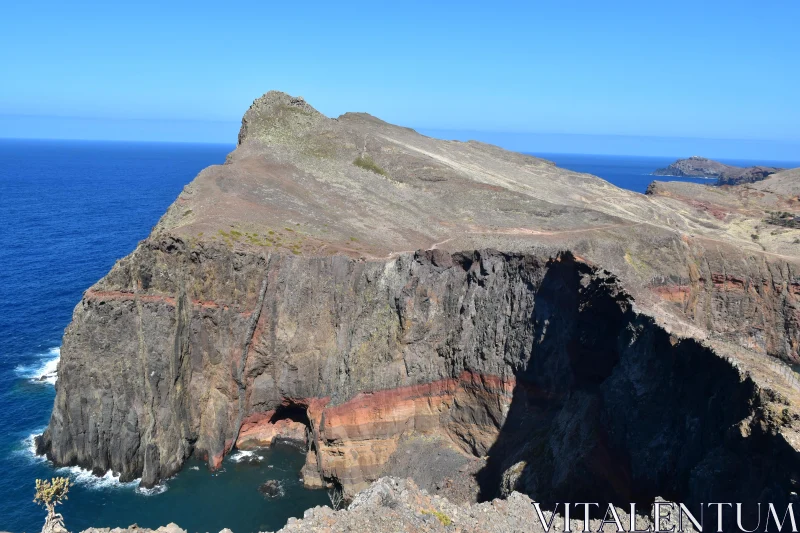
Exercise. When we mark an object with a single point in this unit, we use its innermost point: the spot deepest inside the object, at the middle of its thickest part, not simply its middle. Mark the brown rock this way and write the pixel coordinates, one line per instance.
(579, 338)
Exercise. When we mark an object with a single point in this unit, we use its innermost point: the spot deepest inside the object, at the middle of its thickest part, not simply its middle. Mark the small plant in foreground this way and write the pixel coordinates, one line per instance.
(50, 493)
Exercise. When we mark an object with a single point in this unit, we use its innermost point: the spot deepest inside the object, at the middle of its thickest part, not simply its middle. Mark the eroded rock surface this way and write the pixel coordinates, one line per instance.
(369, 291)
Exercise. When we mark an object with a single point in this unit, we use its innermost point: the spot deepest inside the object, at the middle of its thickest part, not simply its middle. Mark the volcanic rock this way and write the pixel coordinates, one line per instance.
(568, 338)
(271, 488)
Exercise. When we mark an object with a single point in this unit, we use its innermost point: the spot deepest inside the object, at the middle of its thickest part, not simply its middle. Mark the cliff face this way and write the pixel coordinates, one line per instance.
(281, 296)
(540, 364)
(707, 168)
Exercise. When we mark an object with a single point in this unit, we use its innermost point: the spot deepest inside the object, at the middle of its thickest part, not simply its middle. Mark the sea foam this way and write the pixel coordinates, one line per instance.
(245, 456)
(29, 447)
(86, 478)
(44, 370)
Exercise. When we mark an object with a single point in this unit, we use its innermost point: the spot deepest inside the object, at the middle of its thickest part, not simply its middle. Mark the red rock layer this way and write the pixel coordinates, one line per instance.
(354, 440)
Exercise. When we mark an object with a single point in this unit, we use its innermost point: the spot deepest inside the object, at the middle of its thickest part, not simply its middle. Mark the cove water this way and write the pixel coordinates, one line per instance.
(68, 210)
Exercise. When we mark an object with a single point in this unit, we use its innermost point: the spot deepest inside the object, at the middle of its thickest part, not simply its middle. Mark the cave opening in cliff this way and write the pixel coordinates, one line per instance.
(291, 411)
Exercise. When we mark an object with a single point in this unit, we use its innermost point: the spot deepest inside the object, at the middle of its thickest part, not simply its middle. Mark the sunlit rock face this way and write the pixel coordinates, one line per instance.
(372, 294)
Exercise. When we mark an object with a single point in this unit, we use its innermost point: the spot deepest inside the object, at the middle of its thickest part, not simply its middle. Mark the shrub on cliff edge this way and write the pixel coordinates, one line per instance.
(48, 495)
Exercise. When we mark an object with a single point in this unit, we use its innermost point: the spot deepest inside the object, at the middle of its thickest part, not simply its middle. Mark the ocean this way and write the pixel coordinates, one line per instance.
(68, 211)
(634, 172)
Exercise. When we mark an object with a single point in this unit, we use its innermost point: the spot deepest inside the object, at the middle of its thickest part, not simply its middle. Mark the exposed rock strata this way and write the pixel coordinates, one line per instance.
(540, 364)
(282, 289)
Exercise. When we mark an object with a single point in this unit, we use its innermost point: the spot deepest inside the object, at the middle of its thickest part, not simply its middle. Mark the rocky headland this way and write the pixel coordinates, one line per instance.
(480, 321)
(701, 167)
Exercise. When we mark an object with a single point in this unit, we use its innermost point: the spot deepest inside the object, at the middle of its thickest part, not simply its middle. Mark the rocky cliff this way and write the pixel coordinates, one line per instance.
(707, 168)
(374, 292)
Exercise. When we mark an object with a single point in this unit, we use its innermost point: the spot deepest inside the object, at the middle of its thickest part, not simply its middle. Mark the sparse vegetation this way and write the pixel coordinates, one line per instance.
(337, 498)
(50, 493)
(783, 218)
(440, 516)
(366, 162)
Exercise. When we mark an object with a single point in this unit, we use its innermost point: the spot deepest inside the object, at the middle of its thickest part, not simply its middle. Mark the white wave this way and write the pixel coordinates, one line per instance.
(246, 456)
(158, 489)
(45, 370)
(85, 477)
(29, 447)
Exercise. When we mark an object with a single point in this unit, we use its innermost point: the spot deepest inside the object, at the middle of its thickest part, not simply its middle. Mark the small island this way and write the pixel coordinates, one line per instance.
(701, 167)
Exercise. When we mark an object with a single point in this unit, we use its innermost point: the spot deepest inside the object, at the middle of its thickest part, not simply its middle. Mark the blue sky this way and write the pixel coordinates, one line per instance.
(559, 73)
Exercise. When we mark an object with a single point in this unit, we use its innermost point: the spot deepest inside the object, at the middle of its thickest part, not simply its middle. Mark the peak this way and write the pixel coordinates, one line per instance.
(276, 115)
(272, 99)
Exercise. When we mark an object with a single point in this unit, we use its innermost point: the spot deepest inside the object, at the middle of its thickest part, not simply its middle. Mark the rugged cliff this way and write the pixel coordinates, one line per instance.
(708, 168)
(390, 293)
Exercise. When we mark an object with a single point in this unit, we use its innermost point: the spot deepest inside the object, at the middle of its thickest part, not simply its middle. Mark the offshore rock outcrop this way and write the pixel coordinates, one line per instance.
(702, 167)
(445, 295)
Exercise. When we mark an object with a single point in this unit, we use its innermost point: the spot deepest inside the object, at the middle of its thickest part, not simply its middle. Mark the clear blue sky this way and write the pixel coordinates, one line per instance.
(582, 69)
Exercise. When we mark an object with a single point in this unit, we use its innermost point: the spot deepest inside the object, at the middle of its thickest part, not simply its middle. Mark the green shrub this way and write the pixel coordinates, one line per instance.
(51, 493)
(440, 516)
(366, 162)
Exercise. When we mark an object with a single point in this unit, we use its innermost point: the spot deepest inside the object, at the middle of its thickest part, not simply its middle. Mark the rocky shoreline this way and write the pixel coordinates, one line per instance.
(398, 505)
(373, 295)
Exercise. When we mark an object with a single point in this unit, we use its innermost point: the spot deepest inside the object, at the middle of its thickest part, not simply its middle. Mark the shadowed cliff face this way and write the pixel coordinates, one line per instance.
(540, 364)
(610, 404)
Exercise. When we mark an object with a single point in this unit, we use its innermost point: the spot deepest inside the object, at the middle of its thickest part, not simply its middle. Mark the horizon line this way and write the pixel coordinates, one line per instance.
(539, 154)
(418, 129)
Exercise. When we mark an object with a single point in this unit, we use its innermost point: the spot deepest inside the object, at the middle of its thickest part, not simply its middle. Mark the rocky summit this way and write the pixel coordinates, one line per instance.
(696, 166)
(480, 321)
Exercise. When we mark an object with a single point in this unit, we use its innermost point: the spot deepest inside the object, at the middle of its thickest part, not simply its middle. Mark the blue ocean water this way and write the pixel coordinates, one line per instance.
(634, 172)
(68, 210)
